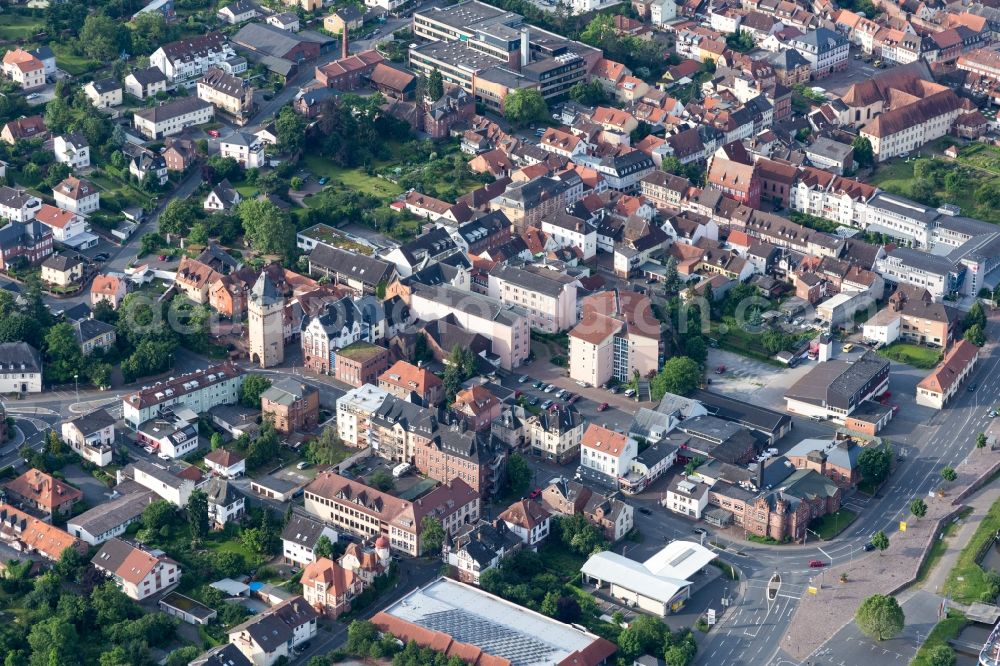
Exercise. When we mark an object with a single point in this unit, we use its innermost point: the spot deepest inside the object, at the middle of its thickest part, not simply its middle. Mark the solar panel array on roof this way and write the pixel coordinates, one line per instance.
(493, 638)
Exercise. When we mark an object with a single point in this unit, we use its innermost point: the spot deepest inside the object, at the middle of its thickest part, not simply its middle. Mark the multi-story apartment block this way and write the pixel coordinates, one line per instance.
(664, 189)
(198, 391)
(354, 411)
(842, 200)
(507, 327)
(606, 454)
(912, 315)
(398, 428)
(275, 634)
(138, 572)
(526, 204)
(548, 295)
(457, 452)
(571, 231)
(363, 511)
(617, 336)
(230, 94)
(192, 57)
(173, 117)
(413, 384)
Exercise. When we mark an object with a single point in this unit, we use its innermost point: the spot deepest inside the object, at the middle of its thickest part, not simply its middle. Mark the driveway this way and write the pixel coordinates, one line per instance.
(94, 492)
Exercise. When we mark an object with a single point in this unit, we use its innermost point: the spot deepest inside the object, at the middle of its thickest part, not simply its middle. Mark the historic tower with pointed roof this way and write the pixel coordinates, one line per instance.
(266, 319)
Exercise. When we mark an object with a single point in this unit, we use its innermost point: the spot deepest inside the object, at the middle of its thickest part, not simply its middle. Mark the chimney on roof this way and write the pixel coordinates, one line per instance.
(525, 48)
(343, 48)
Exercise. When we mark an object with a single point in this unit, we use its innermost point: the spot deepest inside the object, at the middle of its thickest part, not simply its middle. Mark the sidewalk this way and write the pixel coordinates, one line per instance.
(980, 503)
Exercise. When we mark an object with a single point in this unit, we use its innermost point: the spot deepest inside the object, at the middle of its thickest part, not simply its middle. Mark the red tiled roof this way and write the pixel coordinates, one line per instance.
(950, 369)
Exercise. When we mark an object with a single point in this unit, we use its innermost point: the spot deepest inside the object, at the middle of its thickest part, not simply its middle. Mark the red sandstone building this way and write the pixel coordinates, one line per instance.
(292, 406)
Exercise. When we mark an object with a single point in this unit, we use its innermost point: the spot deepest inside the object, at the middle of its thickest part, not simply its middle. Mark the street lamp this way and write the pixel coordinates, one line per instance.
(76, 380)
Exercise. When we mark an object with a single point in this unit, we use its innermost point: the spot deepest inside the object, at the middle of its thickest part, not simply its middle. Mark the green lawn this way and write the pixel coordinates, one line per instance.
(14, 27)
(940, 545)
(948, 628)
(981, 156)
(969, 582)
(73, 64)
(355, 179)
(832, 524)
(924, 358)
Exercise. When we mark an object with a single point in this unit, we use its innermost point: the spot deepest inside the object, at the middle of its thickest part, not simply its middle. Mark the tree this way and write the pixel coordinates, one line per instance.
(589, 94)
(62, 353)
(326, 449)
(741, 41)
(267, 227)
(696, 349)
(185, 655)
(431, 535)
(265, 447)
(216, 441)
(880, 617)
(948, 474)
(975, 316)
(645, 635)
(53, 641)
(381, 480)
(880, 541)
(223, 168)
(102, 38)
(918, 508)
(518, 474)
(975, 335)
(863, 153)
(251, 389)
(981, 440)
(158, 514)
(111, 605)
(178, 216)
(71, 565)
(360, 635)
(435, 85)
(197, 513)
(680, 375)
(290, 128)
(324, 547)
(874, 463)
(940, 655)
(524, 106)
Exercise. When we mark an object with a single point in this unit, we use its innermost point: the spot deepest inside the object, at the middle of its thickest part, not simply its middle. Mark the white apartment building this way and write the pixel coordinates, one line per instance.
(72, 150)
(170, 435)
(198, 391)
(245, 148)
(607, 452)
(662, 11)
(901, 219)
(192, 57)
(555, 434)
(173, 117)
(77, 196)
(826, 50)
(20, 368)
(836, 199)
(909, 127)
(160, 480)
(299, 539)
(686, 497)
(569, 231)
(91, 436)
(586, 6)
(354, 408)
(549, 296)
(230, 94)
(937, 274)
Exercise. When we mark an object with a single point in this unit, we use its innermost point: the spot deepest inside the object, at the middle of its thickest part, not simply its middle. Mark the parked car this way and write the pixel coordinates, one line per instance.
(302, 465)
(213, 133)
(972, 387)
(583, 384)
(614, 390)
(550, 388)
(322, 181)
(699, 530)
(816, 564)
(719, 370)
(101, 256)
(163, 456)
(546, 404)
(522, 379)
(572, 399)
(534, 401)
(869, 547)
(534, 494)
(629, 393)
(601, 407)
(645, 511)
(538, 384)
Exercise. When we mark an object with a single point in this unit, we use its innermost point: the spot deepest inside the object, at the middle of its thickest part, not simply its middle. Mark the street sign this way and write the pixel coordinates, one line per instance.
(902, 526)
(812, 590)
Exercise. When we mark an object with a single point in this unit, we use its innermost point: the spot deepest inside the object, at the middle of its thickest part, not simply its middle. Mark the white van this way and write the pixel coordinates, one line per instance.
(400, 470)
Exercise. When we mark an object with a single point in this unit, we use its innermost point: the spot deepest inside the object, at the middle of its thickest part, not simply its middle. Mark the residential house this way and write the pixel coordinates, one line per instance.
(23, 129)
(30, 535)
(359, 363)
(42, 492)
(225, 463)
(274, 634)
(29, 242)
(614, 517)
(17, 205)
(413, 384)
(91, 436)
(222, 197)
(826, 51)
(77, 195)
(65, 225)
(104, 93)
(245, 148)
(606, 454)
(139, 573)
(194, 278)
(94, 334)
(226, 504)
(285, 20)
(239, 11)
(61, 270)
(180, 154)
(24, 69)
(300, 537)
(476, 406)
(292, 406)
(329, 588)
(107, 288)
(147, 164)
(529, 520)
(145, 83)
(481, 547)
(555, 433)
(347, 17)
(229, 94)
